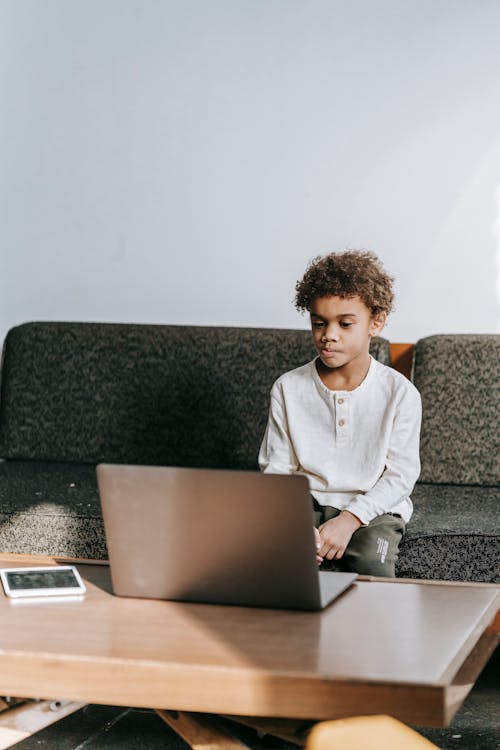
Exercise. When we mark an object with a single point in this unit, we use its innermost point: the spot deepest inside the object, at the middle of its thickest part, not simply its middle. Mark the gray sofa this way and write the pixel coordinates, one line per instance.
(75, 394)
(455, 530)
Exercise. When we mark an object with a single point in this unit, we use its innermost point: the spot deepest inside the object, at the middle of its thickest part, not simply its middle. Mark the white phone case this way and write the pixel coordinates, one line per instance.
(13, 579)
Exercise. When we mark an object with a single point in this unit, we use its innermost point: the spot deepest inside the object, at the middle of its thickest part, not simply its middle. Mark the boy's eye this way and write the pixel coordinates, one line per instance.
(317, 324)
(345, 324)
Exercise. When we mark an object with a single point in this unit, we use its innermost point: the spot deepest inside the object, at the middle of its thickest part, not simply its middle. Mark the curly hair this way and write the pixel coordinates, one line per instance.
(353, 273)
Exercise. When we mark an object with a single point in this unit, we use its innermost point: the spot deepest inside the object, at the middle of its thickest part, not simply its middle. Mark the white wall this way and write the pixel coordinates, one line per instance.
(181, 161)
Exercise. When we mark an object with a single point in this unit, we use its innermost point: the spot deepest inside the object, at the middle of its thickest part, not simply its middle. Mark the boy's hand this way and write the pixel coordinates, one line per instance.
(317, 539)
(336, 534)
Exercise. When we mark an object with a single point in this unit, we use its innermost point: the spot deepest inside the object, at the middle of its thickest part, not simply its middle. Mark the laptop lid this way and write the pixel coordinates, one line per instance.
(214, 536)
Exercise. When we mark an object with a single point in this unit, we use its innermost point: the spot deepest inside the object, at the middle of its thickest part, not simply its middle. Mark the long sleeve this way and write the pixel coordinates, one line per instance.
(402, 465)
(277, 455)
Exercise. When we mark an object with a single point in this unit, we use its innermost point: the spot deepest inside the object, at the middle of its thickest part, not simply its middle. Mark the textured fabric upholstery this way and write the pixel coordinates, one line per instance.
(50, 508)
(171, 395)
(455, 530)
(458, 377)
(454, 534)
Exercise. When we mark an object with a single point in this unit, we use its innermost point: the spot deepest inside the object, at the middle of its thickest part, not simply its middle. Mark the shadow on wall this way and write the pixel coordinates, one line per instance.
(497, 231)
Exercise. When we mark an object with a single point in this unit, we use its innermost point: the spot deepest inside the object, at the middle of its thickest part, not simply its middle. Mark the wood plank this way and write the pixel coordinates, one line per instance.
(151, 687)
(23, 721)
(367, 733)
(12, 558)
(463, 681)
(7, 703)
(402, 358)
(201, 732)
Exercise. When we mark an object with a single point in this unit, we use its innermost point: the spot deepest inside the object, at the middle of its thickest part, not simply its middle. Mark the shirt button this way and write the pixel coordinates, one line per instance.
(341, 401)
(341, 423)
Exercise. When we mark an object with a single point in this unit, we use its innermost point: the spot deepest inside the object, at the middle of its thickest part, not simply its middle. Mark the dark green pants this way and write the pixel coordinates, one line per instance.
(373, 549)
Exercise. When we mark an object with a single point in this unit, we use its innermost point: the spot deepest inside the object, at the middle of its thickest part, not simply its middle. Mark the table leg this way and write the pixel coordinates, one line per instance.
(200, 731)
(290, 730)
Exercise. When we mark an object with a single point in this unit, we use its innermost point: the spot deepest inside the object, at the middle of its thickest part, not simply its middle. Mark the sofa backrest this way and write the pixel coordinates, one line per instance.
(147, 394)
(458, 377)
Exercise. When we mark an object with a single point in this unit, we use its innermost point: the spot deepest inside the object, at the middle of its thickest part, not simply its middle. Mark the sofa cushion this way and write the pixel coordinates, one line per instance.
(454, 534)
(147, 394)
(54, 508)
(458, 377)
(50, 508)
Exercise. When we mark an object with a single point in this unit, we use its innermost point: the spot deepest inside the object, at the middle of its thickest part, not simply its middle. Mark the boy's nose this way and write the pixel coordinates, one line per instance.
(330, 335)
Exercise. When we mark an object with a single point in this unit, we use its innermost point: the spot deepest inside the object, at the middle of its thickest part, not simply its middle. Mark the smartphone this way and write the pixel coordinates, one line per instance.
(53, 580)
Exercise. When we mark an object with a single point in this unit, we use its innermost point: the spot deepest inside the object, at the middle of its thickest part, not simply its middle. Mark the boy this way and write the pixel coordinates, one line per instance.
(347, 422)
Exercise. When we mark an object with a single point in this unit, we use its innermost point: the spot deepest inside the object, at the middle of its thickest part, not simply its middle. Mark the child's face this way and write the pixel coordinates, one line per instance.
(342, 329)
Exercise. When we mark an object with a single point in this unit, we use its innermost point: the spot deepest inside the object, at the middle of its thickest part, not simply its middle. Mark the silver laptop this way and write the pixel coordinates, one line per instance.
(213, 536)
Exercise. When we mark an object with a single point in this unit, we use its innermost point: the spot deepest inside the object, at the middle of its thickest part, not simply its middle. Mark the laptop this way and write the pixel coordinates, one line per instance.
(213, 536)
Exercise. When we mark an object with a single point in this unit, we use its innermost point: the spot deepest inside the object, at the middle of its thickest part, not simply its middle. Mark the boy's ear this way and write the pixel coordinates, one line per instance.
(378, 323)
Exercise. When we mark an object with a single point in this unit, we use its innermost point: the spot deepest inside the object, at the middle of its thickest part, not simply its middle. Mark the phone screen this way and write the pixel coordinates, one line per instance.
(42, 579)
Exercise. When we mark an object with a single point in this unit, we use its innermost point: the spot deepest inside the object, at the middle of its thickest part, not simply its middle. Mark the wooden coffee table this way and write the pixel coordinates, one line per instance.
(409, 649)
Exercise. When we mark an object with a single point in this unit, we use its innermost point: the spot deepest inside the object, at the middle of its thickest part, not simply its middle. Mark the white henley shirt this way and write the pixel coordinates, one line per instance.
(359, 449)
